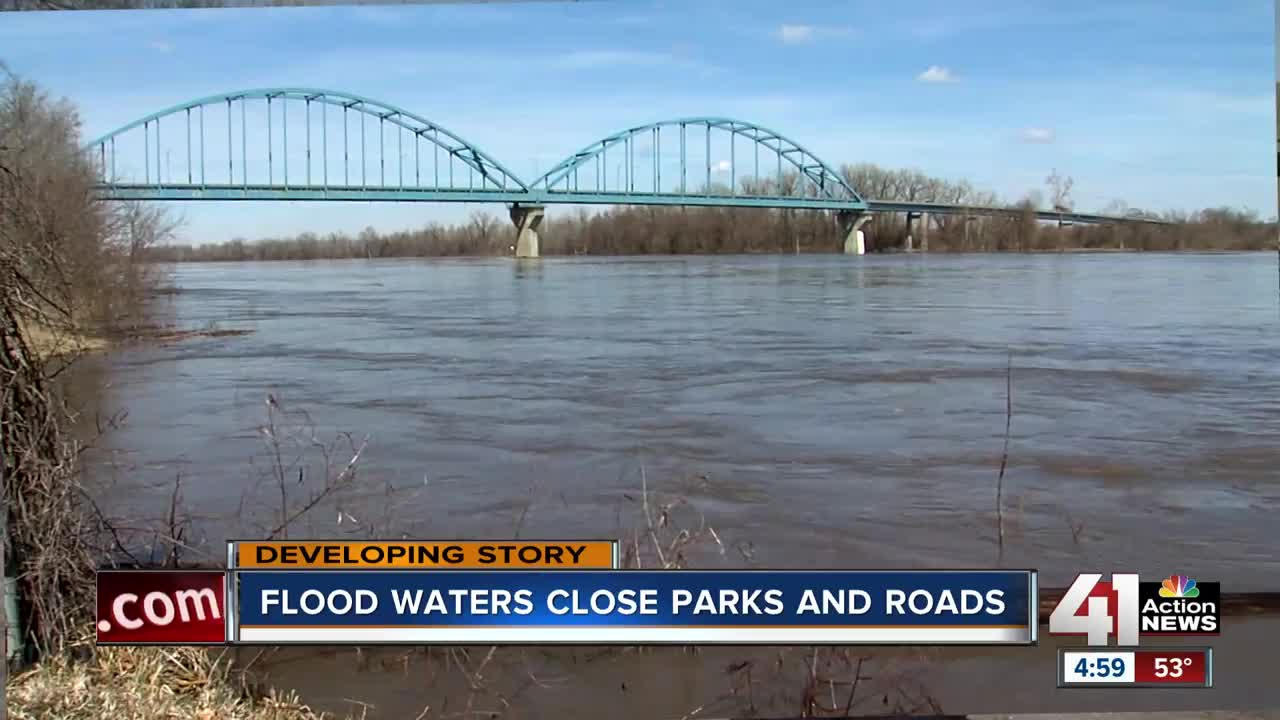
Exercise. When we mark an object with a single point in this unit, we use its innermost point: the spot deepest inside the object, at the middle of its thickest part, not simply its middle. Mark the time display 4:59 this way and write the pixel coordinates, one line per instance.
(1097, 666)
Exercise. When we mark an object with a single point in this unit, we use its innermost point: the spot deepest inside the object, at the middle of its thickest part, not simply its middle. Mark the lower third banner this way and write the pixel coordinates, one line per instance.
(635, 607)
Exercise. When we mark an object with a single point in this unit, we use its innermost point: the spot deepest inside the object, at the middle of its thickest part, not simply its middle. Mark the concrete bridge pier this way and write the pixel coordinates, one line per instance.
(851, 223)
(527, 218)
(923, 218)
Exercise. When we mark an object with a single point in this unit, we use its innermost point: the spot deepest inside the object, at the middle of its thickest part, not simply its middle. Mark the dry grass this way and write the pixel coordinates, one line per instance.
(47, 343)
(144, 683)
(68, 344)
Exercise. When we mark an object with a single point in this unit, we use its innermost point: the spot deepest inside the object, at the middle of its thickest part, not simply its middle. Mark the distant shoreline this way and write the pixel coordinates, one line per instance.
(558, 256)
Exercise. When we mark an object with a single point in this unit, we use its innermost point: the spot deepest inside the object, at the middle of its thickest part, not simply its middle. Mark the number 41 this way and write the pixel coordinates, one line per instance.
(1096, 622)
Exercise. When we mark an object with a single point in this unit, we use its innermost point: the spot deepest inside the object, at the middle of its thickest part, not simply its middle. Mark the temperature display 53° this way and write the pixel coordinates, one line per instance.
(1134, 667)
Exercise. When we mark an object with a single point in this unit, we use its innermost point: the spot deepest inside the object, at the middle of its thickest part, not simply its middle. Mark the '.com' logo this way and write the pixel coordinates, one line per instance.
(1126, 608)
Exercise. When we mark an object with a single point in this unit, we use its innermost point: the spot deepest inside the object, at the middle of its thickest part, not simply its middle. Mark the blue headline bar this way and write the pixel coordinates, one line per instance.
(981, 606)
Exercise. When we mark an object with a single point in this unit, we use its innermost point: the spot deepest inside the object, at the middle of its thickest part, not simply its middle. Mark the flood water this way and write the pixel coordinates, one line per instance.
(819, 411)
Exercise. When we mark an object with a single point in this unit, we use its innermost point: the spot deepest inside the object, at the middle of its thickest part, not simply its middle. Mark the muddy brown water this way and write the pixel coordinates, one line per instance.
(818, 411)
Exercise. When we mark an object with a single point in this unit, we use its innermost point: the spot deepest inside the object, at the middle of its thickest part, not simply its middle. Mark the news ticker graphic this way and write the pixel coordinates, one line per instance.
(411, 554)
(1136, 667)
(635, 606)
(335, 604)
(1127, 608)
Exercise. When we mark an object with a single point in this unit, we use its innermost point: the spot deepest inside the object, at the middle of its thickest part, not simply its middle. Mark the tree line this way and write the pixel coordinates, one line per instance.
(684, 230)
(69, 261)
(72, 267)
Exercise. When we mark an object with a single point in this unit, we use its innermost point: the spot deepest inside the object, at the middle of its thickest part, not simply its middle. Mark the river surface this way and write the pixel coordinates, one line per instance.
(818, 411)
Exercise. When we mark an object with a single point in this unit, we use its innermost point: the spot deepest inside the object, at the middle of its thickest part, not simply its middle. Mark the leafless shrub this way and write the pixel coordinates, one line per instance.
(49, 543)
(1077, 529)
(307, 474)
(667, 536)
(1004, 455)
(57, 261)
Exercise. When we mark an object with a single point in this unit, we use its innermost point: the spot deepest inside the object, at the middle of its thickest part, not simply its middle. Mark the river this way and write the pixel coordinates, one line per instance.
(818, 411)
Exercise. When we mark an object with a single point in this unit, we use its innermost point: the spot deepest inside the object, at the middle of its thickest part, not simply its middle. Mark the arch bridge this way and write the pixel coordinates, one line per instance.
(344, 146)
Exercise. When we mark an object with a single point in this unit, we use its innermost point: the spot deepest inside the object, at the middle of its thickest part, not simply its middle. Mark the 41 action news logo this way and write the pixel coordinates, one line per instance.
(1126, 608)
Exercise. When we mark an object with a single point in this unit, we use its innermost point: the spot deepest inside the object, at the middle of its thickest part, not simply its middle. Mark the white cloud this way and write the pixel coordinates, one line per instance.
(936, 74)
(795, 34)
(722, 166)
(1037, 135)
(160, 46)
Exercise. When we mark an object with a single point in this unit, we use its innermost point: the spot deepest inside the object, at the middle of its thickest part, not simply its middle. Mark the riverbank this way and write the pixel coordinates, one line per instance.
(73, 284)
(180, 257)
(345, 249)
(90, 683)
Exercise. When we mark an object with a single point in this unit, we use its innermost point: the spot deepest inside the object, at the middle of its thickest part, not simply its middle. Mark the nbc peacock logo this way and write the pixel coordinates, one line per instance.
(1179, 586)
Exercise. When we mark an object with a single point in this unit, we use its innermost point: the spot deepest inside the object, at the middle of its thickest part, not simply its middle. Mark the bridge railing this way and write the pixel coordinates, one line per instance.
(294, 138)
(698, 157)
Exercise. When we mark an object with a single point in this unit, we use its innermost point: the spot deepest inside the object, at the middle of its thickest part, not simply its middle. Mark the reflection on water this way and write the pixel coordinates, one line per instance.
(837, 411)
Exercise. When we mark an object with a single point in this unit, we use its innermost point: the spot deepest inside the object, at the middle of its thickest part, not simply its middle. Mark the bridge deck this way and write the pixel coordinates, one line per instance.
(241, 192)
(1076, 218)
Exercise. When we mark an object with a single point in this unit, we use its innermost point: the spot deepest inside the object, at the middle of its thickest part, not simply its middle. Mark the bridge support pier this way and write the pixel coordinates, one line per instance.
(923, 219)
(527, 218)
(851, 223)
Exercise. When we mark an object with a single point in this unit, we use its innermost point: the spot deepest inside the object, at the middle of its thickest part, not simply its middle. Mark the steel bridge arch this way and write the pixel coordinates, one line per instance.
(829, 183)
(445, 139)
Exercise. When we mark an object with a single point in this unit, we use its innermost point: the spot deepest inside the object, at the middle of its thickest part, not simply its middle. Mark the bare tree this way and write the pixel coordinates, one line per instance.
(483, 230)
(1116, 207)
(71, 266)
(1060, 191)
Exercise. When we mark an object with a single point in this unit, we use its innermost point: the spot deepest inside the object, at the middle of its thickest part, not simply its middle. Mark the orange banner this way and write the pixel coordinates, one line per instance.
(404, 554)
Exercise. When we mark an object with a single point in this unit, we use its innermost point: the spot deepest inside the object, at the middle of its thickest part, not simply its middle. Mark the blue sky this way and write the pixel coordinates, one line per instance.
(1164, 104)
